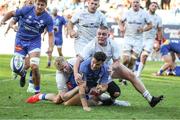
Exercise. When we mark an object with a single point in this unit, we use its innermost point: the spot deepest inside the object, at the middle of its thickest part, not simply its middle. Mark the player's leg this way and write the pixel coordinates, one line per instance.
(49, 59)
(75, 100)
(21, 53)
(120, 71)
(143, 58)
(114, 92)
(34, 54)
(55, 98)
(59, 43)
(59, 49)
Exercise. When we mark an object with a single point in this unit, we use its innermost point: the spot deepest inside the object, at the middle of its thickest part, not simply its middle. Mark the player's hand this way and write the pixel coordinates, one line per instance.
(78, 78)
(99, 89)
(15, 28)
(156, 74)
(49, 51)
(87, 109)
(73, 34)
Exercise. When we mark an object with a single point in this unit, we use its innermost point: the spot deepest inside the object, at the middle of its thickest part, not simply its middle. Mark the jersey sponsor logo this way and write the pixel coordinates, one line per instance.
(18, 48)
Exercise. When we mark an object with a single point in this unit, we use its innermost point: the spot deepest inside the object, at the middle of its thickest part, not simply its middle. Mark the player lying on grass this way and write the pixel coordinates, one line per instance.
(95, 72)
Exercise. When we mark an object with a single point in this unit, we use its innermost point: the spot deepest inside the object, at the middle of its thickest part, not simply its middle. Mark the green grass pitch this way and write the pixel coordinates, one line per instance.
(13, 105)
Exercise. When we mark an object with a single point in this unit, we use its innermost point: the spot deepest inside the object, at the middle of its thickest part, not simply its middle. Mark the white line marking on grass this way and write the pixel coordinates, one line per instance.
(44, 75)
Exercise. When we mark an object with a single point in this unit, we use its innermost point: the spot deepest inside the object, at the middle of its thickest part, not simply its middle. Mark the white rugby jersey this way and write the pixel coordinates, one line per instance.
(156, 23)
(111, 50)
(134, 20)
(87, 24)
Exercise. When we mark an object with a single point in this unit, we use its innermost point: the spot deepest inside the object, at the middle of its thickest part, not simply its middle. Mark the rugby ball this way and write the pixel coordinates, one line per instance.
(17, 64)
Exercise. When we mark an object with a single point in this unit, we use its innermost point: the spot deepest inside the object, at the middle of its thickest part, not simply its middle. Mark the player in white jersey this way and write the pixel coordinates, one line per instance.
(132, 26)
(117, 70)
(149, 37)
(87, 23)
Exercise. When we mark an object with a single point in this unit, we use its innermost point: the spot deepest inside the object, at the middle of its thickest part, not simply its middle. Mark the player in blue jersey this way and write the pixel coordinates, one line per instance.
(59, 22)
(94, 74)
(12, 25)
(33, 20)
(167, 51)
(66, 84)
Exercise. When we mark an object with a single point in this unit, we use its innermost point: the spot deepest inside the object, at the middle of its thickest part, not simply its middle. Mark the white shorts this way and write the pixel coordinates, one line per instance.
(132, 44)
(148, 45)
(61, 81)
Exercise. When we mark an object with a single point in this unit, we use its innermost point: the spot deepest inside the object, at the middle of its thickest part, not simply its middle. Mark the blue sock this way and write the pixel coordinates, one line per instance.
(49, 63)
(37, 88)
(43, 96)
(137, 64)
(160, 72)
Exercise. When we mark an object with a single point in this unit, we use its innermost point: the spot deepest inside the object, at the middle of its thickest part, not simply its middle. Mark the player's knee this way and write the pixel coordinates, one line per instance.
(113, 90)
(134, 56)
(126, 59)
(145, 53)
(116, 94)
(34, 61)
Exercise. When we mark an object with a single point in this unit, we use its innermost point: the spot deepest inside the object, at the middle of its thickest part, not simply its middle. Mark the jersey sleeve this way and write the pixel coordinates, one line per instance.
(50, 24)
(105, 75)
(75, 18)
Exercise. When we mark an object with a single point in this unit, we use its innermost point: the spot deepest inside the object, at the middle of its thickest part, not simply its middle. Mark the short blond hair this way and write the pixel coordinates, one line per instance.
(59, 61)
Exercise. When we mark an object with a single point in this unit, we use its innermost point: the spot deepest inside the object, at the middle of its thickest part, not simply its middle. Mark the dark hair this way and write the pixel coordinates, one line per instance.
(42, 1)
(103, 27)
(100, 56)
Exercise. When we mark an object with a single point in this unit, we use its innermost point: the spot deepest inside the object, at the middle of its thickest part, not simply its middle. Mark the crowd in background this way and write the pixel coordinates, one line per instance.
(111, 8)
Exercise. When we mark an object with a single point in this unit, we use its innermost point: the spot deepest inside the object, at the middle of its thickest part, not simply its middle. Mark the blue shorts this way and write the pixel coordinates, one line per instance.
(170, 46)
(58, 41)
(23, 47)
(177, 70)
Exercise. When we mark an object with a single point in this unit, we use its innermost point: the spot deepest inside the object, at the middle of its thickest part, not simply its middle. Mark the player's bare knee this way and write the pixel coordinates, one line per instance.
(116, 94)
(34, 61)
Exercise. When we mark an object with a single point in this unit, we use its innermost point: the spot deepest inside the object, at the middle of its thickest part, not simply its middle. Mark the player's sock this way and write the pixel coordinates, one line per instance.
(160, 72)
(30, 78)
(147, 95)
(137, 64)
(37, 89)
(140, 68)
(42, 96)
(49, 63)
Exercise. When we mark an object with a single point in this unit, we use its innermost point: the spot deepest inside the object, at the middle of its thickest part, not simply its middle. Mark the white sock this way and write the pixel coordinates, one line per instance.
(140, 68)
(147, 95)
(104, 96)
(31, 85)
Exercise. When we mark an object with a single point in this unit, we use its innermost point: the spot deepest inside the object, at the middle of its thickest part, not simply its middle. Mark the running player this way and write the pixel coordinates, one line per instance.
(149, 37)
(87, 22)
(132, 25)
(34, 19)
(59, 22)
